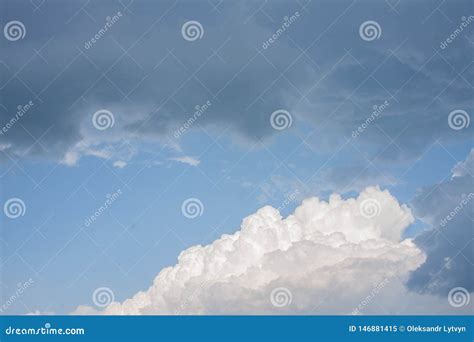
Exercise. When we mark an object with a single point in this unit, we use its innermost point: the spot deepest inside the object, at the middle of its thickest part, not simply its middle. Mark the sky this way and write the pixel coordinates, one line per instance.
(134, 134)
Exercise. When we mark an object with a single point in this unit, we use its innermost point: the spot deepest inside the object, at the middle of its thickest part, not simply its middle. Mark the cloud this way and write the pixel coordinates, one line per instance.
(40, 313)
(120, 164)
(448, 209)
(465, 167)
(154, 89)
(151, 92)
(187, 160)
(327, 257)
(72, 157)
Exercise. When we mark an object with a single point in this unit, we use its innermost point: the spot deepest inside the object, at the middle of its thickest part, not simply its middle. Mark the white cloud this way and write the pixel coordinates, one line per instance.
(465, 167)
(327, 254)
(81, 149)
(119, 164)
(40, 313)
(70, 158)
(4, 147)
(187, 160)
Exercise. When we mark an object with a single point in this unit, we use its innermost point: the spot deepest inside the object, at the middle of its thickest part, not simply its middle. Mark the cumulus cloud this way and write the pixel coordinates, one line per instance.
(448, 209)
(341, 256)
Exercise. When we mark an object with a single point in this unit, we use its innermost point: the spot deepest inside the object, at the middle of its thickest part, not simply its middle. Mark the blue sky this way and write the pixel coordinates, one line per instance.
(320, 70)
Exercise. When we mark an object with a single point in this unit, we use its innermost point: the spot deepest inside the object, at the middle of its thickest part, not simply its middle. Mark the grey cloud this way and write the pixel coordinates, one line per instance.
(448, 208)
(157, 83)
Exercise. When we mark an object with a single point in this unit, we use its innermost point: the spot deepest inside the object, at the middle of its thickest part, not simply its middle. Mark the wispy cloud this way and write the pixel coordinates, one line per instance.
(186, 160)
(119, 164)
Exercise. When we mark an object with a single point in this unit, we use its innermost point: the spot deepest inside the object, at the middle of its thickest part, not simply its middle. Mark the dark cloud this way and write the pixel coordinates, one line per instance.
(448, 207)
(153, 78)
